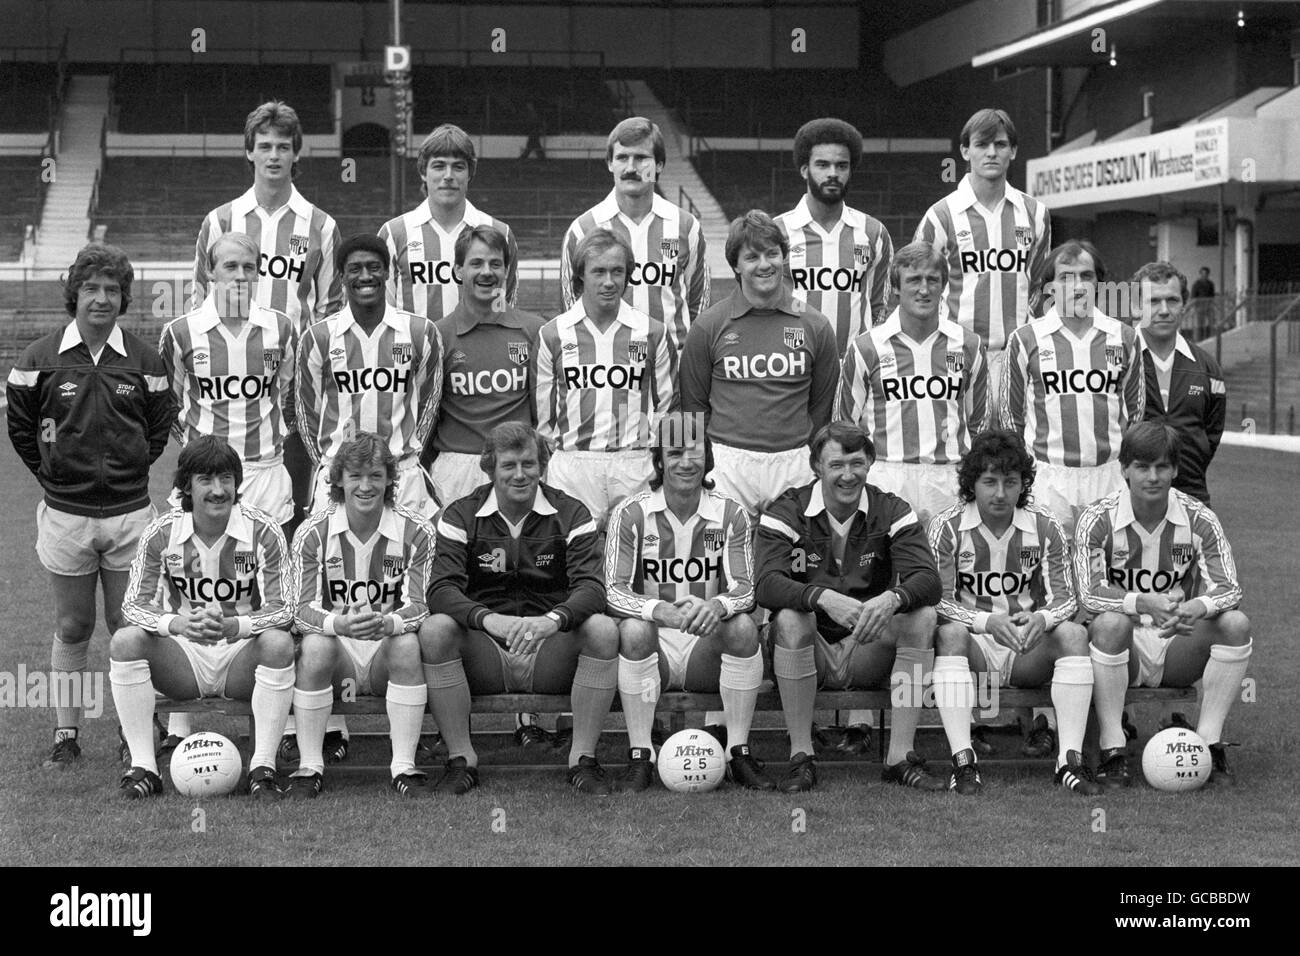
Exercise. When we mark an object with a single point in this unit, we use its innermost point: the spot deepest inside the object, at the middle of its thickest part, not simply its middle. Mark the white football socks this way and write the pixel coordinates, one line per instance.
(1220, 685)
(1109, 688)
(638, 690)
(954, 696)
(405, 706)
(133, 696)
(272, 697)
(1072, 680)
(312, 708)
(738, 683)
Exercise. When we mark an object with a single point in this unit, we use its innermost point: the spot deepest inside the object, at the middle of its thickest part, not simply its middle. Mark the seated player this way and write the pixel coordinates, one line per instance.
(1156, 570)
(360, 568)
(1007, 607)
(209, 605)
(848, 572)
(517, 578)
(679, 573)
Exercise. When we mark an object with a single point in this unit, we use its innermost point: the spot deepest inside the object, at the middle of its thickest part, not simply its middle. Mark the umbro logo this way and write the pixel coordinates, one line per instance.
(334, 562)
(796, 250)
(200, 356)
(964, 234)
(68, 389)
(415, 244)
(652, 539)
(887, 360)
(731, 338)
(1045, 354)
(338, 353)
(967, 555)
(457, 357)
(571, 347)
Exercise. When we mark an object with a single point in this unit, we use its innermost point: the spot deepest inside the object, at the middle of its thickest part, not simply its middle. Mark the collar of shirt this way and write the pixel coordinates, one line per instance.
(634, 319)
(344, 319)
(737, 306)
(1180, 345)
(388, 526)
(72, 338)
(541, 505)
(893, 325)
(711, 508)
(1051, 321)
(424, 213)
(205, 317)
(817, 502)
(238, 527)
(801, 215)
(607, 208)
(464, 322)
(1175, 513)
(297, 203)
(965, 194)
(970, 519)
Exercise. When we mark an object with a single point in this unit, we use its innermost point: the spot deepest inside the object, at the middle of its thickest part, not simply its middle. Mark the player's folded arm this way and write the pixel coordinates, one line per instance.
(279, 597)
(1059, 603)
(1217, 567)
(415, 578)
(310, 363)
(943, 544)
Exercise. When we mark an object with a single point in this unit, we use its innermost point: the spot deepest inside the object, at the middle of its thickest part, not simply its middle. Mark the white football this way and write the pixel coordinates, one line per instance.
(1176, 759)
(691, 761)
(205, 765)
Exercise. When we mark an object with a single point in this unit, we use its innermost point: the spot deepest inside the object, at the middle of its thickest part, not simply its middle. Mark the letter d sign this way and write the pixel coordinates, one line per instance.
(397, 59)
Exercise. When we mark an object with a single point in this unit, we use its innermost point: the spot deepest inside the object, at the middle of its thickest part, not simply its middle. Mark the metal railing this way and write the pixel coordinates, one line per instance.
(684, 200)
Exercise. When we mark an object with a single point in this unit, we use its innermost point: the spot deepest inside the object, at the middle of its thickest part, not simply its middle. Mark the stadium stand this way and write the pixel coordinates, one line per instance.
(490, 100)
(27, 93)
(19, 202)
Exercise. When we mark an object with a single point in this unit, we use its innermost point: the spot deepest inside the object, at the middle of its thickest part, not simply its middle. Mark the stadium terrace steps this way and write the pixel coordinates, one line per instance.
(64, 223)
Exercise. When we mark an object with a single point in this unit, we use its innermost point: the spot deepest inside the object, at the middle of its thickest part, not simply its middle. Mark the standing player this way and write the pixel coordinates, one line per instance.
(209, 605)
(1183, 383)
(669, 277)
(89, 412)
(360, 568)
(488, 372)
(1156, 570)
(230, 363)
(838, 255)
(1008, 601)
(604, 378)
(422, 242)
(517, 578)
(370, 367)
(761, 369)
(995, 238)
(679, 573)
(848, 572)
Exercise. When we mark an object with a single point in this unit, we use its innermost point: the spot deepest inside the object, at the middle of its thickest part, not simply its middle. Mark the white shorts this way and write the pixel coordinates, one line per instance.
(600, 479)
(999, 659)
(362, 654)
(675, 647)
(757, 478)
(1065, 492)
(455, 475)
(73, 545)
(929, 489)
(210, 663)
(1150, 649)
(413, 488)
(266, 487)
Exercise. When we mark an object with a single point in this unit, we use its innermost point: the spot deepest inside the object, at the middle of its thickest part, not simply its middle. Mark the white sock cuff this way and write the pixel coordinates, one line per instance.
(275, 678)
(1073, 670)
(69, 657)
(952, 669)
(909, 663)
(408, 694)
(446, 674)
(794, 663)
(313, 699)
(128, 672)
(1110, 660)
(637, 677)
(1230, 653)
(596, 673)
(742, 673)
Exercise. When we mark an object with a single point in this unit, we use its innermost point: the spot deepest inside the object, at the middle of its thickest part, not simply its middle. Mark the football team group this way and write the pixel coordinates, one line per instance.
(864, 468)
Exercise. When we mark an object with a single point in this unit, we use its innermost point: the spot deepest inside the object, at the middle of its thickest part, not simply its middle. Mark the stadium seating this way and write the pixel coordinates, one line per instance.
(490, 100)
(26, 96)
(19, 202)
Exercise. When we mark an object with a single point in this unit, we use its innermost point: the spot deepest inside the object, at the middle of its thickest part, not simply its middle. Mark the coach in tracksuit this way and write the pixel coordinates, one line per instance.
(90, 406)
(1184, 384)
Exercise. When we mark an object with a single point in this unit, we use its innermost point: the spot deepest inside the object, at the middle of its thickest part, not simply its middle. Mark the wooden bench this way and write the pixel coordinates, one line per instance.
(676, 705)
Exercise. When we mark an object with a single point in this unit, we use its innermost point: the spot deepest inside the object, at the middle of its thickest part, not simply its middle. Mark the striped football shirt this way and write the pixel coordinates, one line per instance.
(1187, 555)
(991, 257)
(669, 280)
(843, 273)
(296, 273)
(602, 391)
(487, 376)
(919, 401)
(244, 571)
(1027, 569)
(236, 387)
(651, 557)
(1072, 398)
(334, 572)
(389, 382)
(421, 278)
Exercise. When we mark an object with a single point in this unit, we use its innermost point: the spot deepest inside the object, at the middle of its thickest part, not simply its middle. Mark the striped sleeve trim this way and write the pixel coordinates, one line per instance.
(587, 527)
(906, 521)
(24, 377)
(451, 532)
(780, 527)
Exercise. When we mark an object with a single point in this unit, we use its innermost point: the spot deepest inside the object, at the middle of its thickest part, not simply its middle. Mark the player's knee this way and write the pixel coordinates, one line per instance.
(599, 637)
(403, 650)
(1110, 632)
(793, 629)
(1071, 639)
(275, 648)
(439, 639)
(739, 636)
(1234, 628)
(637, 639)
(128, 644)
(952, 640)
(75, 628)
